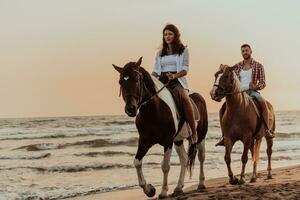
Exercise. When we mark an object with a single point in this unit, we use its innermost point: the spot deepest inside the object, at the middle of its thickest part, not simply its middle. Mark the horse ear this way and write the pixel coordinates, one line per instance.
(139, 62)
(119, 69)
(232, 68)
(221, 67)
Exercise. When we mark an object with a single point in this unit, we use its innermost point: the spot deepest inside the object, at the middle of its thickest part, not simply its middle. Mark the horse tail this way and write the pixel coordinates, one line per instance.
(256, 148)
(192, 152)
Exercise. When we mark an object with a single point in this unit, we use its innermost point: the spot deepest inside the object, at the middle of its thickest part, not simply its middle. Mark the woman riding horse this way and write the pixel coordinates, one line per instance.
(171, 66)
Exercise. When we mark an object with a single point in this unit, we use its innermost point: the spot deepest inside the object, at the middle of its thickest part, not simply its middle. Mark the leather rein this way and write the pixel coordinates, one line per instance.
(142, 91)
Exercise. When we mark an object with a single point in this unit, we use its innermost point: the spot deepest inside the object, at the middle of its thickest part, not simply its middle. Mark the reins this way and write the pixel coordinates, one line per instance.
(148, 100)
(142, 88)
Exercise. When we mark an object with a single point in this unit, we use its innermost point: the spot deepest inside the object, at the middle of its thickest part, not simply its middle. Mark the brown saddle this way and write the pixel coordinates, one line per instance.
(184, 130)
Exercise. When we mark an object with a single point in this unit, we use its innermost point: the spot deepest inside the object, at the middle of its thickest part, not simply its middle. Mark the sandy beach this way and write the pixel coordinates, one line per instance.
(284, 185)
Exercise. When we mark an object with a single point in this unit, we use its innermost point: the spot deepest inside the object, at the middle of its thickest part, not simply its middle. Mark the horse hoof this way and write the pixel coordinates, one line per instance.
(234, 181)
(270, 176)
(162, 196)
(177, 192)
(151, 191)
(253, 180)
(201, 188)
(241, 181)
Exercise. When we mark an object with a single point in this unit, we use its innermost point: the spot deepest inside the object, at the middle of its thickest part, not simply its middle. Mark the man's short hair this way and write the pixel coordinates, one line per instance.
(245, 45)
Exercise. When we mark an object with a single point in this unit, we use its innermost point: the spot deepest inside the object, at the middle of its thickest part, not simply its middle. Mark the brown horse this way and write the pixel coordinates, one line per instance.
(157, 124)
(240, 120)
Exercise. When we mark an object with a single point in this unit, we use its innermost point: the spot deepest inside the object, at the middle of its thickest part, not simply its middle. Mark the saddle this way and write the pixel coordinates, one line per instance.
(184, 130)
(256, 106)
(258, 111)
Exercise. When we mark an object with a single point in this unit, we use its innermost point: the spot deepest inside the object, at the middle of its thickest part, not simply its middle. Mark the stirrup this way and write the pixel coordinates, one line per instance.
(270, 133)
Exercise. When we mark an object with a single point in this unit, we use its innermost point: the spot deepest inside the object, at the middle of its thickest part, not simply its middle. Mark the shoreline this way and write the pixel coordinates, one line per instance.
(284, 185)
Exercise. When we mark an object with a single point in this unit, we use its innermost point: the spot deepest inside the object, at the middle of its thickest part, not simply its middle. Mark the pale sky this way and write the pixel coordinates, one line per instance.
(56, 55)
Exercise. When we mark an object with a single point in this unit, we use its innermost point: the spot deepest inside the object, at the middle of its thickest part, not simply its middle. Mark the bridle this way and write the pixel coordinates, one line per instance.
(224, 90)
(142, 91)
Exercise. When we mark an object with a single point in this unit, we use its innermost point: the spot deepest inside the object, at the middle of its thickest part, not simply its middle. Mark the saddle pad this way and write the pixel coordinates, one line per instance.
(167, 97)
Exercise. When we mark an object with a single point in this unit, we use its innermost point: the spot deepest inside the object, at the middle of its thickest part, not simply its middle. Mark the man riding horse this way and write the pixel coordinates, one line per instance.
(252, 76)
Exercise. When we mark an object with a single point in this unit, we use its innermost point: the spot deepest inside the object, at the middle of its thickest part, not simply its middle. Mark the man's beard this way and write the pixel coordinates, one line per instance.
(246, 57)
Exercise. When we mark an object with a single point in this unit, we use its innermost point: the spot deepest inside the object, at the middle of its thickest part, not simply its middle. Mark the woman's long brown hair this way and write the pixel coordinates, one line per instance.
(177, 46)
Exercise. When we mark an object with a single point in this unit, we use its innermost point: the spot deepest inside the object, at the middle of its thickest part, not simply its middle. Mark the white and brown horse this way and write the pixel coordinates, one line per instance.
(240, 120)
(157, 123)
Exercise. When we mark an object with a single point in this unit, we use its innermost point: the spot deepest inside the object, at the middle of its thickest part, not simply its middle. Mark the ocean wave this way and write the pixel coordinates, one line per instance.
(105, 153)
(277, 158)
(42, 120)
(71, 169)
(90, 143)
(52, 136)
(104, 142)
(82, 168)
(40, 147)
(124, 122)
(45, 155)
(287, 135)
(113, 153)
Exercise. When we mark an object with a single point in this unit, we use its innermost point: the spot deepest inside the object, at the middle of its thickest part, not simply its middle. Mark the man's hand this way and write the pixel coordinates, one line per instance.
(253, 86)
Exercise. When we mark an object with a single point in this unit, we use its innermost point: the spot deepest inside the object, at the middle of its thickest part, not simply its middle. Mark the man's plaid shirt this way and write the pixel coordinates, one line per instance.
(258, 73)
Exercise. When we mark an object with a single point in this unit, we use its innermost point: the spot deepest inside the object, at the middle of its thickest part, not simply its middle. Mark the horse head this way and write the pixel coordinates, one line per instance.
(224, 83)
(131, 86)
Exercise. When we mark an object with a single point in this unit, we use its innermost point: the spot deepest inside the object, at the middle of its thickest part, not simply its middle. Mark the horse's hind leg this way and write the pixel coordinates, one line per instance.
(183, 158)
(201, 157)
(270, 145)
(228, 148)
(269, 152)
(255, 158)
(165, 166)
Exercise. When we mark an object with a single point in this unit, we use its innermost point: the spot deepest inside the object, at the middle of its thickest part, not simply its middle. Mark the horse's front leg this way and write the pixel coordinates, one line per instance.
(244, 160)
(149, 190)
(165, 166)
(228, 148)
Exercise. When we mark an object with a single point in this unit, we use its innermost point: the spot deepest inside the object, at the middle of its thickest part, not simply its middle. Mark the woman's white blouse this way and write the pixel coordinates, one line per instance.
(168, 63)
(182, 63)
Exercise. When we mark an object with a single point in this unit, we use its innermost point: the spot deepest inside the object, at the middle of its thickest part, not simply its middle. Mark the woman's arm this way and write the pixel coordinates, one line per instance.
(157, 67)
(184, 67)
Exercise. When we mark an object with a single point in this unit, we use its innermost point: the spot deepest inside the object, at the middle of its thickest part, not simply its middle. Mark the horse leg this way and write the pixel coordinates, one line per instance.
(165, 166)
(228, 148)
(244, 161)
(201, 157)
(269, 152)
(255, 157)
(183, 158)
(149, 190)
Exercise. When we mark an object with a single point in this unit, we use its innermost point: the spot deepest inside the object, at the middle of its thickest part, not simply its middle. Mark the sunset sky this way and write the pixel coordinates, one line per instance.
(56, 55)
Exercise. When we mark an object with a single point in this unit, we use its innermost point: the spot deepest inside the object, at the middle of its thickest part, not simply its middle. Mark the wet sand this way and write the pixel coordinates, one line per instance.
(284, 185)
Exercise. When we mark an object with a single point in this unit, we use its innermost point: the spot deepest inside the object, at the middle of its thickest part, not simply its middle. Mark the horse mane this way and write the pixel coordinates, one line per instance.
(148, 80)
